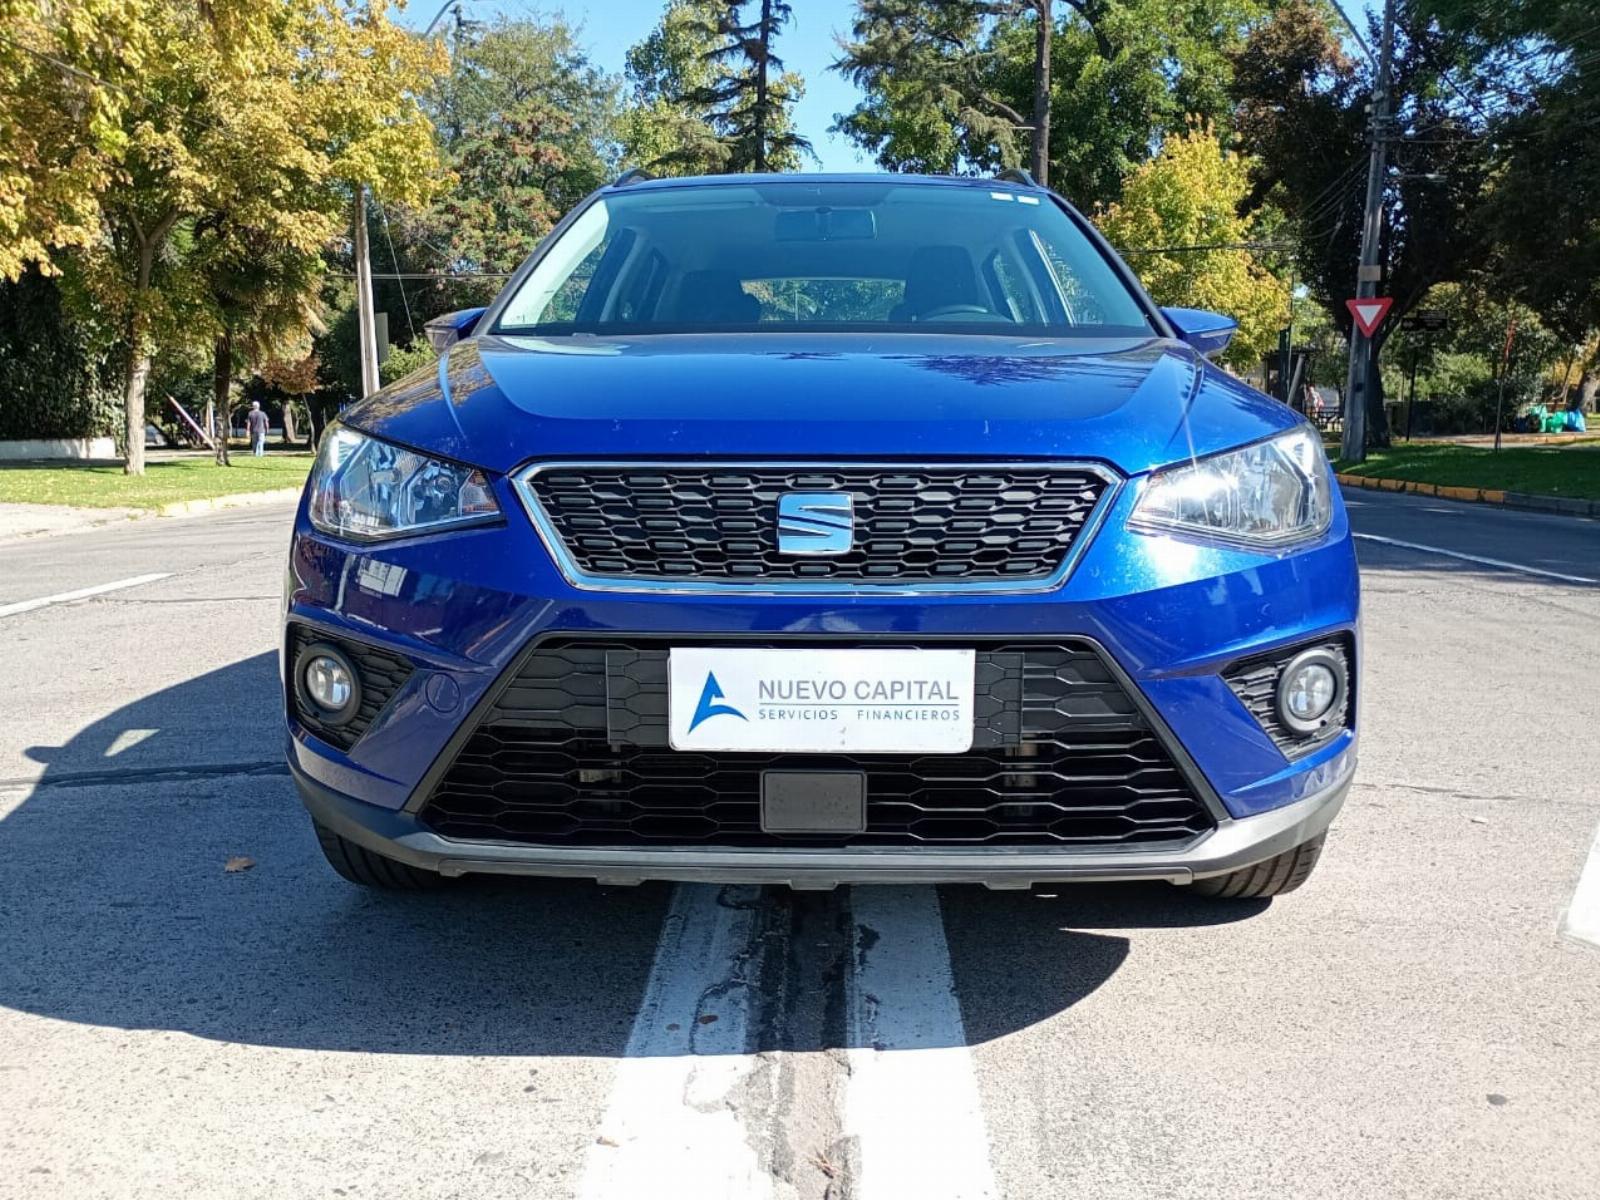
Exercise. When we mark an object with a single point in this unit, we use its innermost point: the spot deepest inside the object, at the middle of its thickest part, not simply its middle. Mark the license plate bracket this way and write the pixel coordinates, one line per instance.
(814, 802)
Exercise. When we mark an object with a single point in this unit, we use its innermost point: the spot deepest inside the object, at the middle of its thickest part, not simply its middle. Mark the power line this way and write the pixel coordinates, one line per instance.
(395, 258)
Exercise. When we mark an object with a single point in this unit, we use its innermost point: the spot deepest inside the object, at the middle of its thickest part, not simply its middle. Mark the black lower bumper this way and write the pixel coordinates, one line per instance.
(1232, 844)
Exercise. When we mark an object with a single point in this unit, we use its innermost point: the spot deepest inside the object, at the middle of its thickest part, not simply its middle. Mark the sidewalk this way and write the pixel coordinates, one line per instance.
(1518, 500)
(19, 521)
(23, 521)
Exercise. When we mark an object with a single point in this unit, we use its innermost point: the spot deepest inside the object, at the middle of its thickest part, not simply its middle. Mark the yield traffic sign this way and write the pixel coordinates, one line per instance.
(1369, 314)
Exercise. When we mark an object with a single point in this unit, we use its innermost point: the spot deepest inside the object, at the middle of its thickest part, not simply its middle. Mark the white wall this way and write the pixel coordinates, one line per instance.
(58, 448)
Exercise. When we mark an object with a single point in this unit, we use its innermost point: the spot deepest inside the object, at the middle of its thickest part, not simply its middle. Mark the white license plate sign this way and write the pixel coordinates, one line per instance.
(858, 701)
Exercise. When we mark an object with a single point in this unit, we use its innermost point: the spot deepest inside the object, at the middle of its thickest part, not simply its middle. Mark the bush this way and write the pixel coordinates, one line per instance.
(404, 360)
(55, 382)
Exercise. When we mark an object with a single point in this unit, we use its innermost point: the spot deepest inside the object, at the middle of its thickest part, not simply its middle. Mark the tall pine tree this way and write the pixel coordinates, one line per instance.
(746, 101)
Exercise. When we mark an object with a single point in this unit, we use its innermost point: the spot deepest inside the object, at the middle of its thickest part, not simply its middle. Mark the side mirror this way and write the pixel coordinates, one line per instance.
(445, 331)
(1207, 332)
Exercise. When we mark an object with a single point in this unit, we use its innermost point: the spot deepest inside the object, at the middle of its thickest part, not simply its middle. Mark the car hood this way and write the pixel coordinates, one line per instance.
(498, 402)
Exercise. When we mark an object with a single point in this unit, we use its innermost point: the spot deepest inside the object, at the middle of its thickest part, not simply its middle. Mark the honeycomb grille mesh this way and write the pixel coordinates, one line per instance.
(574, 753)
(720, 523)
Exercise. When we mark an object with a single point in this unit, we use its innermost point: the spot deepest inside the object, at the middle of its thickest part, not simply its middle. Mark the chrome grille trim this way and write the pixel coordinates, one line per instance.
(572, 571)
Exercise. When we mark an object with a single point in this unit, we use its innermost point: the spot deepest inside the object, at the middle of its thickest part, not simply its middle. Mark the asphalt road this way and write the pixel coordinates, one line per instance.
(1412, 1023)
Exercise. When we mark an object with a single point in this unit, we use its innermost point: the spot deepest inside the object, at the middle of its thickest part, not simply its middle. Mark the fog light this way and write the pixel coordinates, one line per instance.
(1310, 689)
(328, 682)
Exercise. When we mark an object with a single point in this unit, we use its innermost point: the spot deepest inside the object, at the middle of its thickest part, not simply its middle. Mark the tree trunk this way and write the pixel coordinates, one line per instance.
(133, 404)
(221, 383)
(138, 354)
(318, 413)
(761, 86)
(288, 424)
(1041, 92)
(1588, 385)
(138, 364)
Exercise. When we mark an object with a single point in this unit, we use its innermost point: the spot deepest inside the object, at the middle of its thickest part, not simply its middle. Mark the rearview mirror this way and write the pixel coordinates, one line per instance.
(446, 330)
(1207, 332)
(826, 225)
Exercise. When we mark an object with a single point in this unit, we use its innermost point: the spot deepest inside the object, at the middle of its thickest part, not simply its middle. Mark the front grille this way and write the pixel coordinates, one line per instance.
(380, 674)
(719, 524)
(1255, 682)
(574, 753)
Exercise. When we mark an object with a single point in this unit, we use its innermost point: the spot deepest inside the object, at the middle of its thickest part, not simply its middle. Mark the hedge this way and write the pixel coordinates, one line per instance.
(54, 381)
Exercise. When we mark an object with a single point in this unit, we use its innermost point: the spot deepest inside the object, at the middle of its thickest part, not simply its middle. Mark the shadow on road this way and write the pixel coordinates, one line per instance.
(116, 911)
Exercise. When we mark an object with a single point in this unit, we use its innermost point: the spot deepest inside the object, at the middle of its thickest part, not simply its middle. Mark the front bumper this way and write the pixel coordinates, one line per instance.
(1171, 618)
(1234, 843)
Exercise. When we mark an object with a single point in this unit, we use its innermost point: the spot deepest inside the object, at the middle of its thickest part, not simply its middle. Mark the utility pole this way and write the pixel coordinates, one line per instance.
(1370, 272)
(367, 323)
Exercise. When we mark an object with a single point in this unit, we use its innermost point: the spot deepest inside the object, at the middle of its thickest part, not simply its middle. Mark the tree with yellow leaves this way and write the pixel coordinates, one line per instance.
(205, 154)
(1189, 196)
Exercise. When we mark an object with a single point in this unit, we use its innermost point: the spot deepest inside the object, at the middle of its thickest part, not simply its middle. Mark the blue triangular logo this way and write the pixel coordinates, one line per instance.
(708, 706)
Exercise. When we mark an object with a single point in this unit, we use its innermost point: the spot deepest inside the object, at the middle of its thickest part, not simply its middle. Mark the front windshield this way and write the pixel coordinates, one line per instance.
(837, 257)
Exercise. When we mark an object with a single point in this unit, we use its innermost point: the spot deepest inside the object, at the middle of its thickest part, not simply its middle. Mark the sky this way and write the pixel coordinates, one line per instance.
(608, 27)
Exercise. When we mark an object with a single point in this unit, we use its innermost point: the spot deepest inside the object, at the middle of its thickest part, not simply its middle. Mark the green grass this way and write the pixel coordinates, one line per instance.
(1571, 470)
(162, 483)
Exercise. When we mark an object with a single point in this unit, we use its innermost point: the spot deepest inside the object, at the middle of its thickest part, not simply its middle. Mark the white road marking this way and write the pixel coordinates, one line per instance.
(671, 1129)
(22, 606)
(911, 1099)
(1583, 914)
(1473, 558)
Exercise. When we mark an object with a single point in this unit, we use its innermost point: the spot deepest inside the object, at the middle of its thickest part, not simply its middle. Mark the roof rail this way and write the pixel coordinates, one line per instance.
(632, 175)
(1016, 175)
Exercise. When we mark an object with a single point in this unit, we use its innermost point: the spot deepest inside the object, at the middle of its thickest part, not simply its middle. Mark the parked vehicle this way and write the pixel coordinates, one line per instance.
(824, 529)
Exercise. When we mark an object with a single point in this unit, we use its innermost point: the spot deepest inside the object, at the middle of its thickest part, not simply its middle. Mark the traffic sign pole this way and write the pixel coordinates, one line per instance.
(1422, 321)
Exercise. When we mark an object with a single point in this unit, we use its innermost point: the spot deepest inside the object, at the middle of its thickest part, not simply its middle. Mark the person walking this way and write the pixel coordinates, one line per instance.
(256, 426)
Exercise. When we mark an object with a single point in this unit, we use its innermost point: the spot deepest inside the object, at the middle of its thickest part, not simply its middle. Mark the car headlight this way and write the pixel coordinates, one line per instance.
(1267, 495)
(366, 489)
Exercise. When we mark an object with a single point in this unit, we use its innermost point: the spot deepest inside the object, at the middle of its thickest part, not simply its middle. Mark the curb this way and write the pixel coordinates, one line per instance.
(190, 508)
(1518, 500)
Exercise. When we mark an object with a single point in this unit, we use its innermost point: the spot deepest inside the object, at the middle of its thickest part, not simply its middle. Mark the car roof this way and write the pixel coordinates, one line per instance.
(642, 183)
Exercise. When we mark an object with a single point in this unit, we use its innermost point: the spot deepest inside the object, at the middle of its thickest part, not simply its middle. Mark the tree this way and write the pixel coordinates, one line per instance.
(61, 105)
(528, 126)
(949, 85)
(262, 301)
(293, 377)
(660, 129)
(1302, 117)
(746, 99)
(1532, 62)
(238, 115)
(932, 100)
(1189, 195)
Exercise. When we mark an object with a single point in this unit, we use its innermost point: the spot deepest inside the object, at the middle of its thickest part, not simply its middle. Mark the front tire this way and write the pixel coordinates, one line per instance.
(1274, 877)
(369, 869)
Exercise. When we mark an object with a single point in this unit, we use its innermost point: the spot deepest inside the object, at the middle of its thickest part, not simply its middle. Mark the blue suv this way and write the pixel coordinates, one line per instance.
(819, 530)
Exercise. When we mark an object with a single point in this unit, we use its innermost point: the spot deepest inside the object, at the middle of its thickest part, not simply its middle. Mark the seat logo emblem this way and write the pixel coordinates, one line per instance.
(708, 706)
(816, 523)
